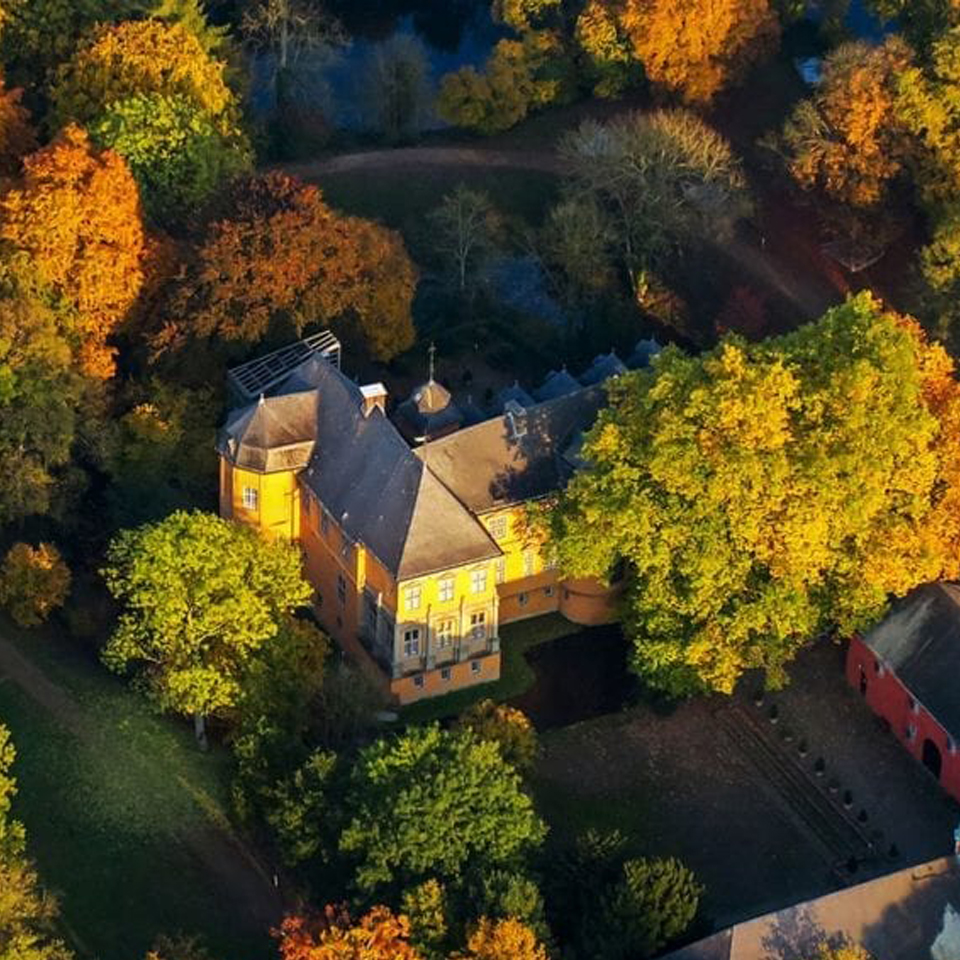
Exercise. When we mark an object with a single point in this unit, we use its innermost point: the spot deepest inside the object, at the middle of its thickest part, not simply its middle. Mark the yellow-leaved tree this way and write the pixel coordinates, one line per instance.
(34, 581)
(760, 494)
(691, 47)
(506, 939)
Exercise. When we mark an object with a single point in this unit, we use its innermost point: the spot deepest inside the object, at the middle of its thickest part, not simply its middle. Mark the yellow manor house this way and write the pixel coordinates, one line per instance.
(416, 553)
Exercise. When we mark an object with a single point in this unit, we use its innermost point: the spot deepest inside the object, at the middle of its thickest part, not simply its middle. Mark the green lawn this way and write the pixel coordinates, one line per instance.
(515, 673)
(105, 813)
(401, 197)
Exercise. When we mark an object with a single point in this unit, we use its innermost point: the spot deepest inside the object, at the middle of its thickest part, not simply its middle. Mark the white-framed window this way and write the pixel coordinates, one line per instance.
(498, 528)
(478, 581)
(478, 625)
(911, 731)
(529, 563)
(411, 642)
(914, 706)
(548, 591)
(445, 673)
(522, 599)
(250, 498)
(476, 666)
(500, 570)
(411, 597)
(418, 681)
(341, 589)
(448, 587)
(445, 630)
(878, 668)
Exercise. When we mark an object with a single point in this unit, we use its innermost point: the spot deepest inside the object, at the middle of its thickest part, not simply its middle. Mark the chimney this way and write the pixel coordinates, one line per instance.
(374, 395)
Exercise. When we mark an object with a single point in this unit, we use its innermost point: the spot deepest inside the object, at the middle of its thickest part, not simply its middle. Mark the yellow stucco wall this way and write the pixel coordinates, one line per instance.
(276, 496)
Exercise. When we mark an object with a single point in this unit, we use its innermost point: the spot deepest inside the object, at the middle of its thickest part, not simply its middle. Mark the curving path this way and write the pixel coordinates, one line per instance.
(777, 268)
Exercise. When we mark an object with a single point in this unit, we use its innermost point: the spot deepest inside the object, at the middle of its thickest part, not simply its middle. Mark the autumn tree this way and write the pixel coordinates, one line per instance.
(379, 935)
(663, 180)
(28, 915)
(34, 581)
(76, 214)
(842, 951)
(506, 726)
(693, 49)
(920, 21)
(176, 151)
(465, 226)
(426, 803)
(280, 255)
(506, 939)
(524, 15)
(520, 76)
(427, 909)
(201, 596)
(760, 494)
(138, 58)
(845, 141)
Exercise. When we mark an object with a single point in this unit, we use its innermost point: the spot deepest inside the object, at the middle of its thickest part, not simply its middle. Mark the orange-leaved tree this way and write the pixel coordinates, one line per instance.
(280, 255)
(506, 939)
(690, 47)
(379, 935)
(34, 581)
(846, 140)
(75, 213)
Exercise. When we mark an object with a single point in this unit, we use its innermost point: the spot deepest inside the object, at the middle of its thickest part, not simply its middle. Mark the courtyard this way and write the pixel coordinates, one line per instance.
(770, 802)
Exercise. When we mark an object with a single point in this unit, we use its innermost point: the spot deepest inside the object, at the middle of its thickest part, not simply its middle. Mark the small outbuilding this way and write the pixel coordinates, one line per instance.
(906, 669)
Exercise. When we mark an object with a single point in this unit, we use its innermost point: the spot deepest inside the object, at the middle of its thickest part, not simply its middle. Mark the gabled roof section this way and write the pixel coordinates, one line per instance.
(604, 366)
(516, 393)
(920, 642)
(271, 434)
(366, 476)
(514, 457)
(558, 383)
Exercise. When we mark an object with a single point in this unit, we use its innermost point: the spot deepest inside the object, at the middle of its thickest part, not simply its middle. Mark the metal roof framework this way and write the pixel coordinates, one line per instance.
(254, 378)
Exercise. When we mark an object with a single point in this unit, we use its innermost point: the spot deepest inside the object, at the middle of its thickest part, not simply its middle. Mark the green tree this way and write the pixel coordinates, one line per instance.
(763, 493)
(665, 179)
(652, 904)
(425, 906)
(506, 726)
(465, 226)
(27, 914)
(34, 581)
(920, 21)
(396, 88)
(426, 803)
(201, 595)
(177, 153)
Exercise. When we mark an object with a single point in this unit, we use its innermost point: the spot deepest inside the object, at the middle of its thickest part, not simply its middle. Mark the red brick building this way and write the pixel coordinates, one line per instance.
(908, 670)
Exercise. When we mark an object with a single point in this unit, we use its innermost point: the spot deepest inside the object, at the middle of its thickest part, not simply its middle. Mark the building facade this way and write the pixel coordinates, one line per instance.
(905, 669)
(417, 554)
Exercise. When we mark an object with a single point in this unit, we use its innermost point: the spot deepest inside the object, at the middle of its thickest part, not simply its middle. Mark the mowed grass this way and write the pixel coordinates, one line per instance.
(401, 197)
(106, 814)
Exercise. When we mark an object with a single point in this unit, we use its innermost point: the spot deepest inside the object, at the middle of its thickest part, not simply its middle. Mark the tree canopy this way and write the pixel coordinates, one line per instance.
(34, 581)
(201, 595)
(379, 935)
(279, 254)
(762, 493)
(424, 803)
(75, 213)
(690, 48)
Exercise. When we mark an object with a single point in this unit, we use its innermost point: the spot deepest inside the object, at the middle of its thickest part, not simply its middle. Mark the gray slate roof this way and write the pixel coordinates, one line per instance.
(369, 479)
(275, 433)
(920, 642)
(516, 393)
(509, 459)
(429, 412)
(604, 366)
(557, 384)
